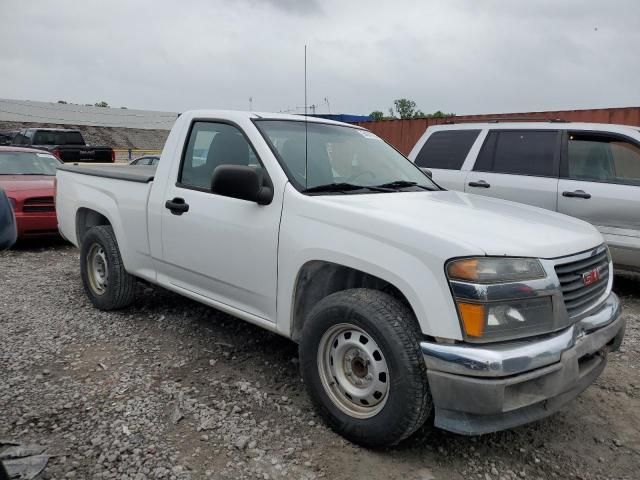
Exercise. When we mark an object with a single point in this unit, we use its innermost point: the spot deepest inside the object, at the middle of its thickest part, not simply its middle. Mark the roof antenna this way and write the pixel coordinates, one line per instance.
(306, 154)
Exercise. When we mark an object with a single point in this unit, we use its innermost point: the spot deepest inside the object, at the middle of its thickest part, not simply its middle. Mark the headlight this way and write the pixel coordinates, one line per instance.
(497, 321)
(515, 312)
(495, 269)
(12, 201)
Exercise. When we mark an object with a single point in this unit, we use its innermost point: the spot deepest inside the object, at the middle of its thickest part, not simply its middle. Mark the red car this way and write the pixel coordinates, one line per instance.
(27, 177)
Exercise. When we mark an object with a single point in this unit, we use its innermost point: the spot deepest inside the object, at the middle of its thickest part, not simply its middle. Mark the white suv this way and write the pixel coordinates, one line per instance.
(586, 170)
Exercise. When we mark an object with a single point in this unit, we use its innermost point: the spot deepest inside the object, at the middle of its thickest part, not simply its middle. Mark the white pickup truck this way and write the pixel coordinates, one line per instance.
(405, 299)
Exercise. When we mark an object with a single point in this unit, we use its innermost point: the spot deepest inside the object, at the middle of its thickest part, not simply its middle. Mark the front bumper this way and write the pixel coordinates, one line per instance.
(36, 225)
(481, 389)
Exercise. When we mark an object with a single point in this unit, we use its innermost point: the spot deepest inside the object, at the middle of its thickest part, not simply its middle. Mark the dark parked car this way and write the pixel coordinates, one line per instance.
(8, 233)
(67, 145)
(146, 160)
(6, 136)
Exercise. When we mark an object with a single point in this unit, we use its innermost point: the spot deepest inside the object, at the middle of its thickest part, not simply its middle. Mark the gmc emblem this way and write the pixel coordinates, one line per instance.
(590, 277)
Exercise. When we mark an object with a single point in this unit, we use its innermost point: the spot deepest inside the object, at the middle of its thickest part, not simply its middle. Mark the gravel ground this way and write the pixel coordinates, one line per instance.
(172, 389)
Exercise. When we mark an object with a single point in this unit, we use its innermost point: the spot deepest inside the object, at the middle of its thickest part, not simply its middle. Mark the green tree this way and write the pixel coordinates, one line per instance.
(405, 107)
(102, 104)
(438, 114)
(62, 102)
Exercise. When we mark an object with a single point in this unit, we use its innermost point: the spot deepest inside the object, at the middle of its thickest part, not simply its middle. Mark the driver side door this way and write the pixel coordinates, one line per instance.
(218, 247)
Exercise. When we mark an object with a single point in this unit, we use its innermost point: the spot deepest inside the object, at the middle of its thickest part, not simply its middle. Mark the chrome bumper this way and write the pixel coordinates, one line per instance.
(479, 389)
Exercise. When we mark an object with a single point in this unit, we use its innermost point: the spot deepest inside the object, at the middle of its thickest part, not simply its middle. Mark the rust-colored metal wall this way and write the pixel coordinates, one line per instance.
(403, 134)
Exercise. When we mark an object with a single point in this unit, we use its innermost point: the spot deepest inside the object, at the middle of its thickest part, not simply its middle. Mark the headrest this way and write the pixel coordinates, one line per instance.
(228, 149)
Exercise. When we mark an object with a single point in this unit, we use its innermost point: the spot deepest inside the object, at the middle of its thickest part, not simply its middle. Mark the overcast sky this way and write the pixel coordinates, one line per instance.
(461, 56)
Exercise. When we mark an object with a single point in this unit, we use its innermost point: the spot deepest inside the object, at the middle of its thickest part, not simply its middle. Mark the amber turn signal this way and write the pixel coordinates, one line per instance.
(473, 318)
(464, 269)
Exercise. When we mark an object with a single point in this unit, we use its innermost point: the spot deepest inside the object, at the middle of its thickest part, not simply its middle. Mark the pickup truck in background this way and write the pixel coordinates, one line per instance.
(590, 171)
(67, 145)
(405, 299)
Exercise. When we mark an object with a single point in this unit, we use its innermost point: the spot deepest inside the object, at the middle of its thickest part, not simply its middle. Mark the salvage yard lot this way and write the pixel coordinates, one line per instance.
(172, 389)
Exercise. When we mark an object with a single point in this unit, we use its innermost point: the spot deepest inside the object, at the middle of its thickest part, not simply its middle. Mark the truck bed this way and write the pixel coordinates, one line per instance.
(140, 174)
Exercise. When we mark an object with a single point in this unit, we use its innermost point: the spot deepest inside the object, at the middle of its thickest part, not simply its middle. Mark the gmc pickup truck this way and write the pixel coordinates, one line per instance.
(405, 299)
(67, 145)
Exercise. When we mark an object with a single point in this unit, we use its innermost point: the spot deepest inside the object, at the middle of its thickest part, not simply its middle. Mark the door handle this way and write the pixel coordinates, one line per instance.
(576, 194)
(177, 206)
(480, 183)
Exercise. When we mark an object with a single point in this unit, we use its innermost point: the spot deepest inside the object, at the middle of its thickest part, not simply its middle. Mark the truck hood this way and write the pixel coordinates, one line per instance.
(493, 226)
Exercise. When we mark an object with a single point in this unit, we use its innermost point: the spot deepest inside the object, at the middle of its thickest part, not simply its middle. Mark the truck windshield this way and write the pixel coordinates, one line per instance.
(27, 163)
(326, 158)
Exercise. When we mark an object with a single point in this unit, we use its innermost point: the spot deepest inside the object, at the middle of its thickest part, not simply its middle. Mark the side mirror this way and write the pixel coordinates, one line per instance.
(428, 172)
(239, 181)
(8, 230)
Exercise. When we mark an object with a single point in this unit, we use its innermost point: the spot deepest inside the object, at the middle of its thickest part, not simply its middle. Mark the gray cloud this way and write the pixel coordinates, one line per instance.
(290, 6)
(461, 55)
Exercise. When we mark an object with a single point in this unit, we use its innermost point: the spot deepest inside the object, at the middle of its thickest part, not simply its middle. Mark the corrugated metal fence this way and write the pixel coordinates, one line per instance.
(403, 134)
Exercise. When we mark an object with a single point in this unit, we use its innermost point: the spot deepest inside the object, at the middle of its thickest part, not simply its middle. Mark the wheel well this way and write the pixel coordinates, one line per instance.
(319, 279)
(87, 219)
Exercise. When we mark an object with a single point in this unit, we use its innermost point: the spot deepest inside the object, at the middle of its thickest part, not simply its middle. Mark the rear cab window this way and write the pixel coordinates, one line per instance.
(53, 137)
(521, 152)
(446, 149)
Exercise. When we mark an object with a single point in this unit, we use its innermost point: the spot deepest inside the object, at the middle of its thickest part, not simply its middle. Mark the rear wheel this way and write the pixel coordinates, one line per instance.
(105, 281)
(361, 362)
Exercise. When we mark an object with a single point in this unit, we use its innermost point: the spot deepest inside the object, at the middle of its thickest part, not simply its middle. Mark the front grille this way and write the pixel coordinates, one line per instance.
(38, 204)
(579, 297)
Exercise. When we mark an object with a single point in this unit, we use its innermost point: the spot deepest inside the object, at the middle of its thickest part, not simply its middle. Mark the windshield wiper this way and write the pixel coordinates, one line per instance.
(402, 184)
(344, 187)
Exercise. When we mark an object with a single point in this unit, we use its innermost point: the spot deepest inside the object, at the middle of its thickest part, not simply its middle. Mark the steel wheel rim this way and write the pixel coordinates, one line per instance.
(353, 371)
(97, 269)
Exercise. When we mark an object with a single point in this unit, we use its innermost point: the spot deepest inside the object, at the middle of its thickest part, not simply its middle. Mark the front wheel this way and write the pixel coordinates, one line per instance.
(105, 280)
(361, 362)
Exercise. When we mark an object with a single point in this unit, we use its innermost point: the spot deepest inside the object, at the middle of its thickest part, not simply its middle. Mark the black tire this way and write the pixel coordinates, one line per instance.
(395, 331)
(3, 473)
(119, 292)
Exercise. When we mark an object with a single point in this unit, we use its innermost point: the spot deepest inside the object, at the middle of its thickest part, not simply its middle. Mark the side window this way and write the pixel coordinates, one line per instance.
(446, 149)
(603, 158)
(520, 152)
(209, 146)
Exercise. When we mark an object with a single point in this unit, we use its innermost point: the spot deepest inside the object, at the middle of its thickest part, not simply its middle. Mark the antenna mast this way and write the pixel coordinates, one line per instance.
(306, 150)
